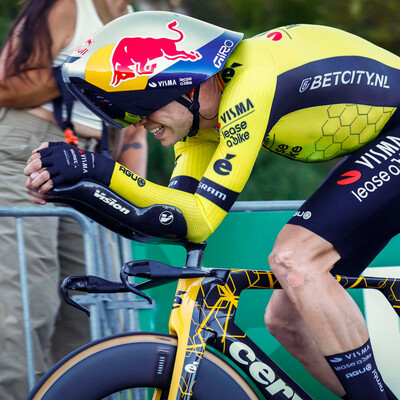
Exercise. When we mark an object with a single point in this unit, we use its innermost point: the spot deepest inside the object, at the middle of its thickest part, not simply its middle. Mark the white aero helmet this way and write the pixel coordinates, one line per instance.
(142, 61)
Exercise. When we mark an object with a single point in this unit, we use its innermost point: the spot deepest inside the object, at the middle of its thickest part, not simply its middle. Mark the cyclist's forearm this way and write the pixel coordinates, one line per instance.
(144, 193)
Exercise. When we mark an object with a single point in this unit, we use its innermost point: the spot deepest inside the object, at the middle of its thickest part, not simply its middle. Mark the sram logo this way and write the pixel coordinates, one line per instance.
(261, 372)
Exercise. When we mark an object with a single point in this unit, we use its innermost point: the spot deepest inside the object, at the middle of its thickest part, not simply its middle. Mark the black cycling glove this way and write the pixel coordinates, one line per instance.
(68, 164)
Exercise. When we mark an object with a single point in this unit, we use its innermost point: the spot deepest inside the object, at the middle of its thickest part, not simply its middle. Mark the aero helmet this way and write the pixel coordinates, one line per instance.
(140, 62)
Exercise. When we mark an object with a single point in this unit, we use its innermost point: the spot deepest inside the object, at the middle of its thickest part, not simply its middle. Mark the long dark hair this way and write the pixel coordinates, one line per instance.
(31, 29)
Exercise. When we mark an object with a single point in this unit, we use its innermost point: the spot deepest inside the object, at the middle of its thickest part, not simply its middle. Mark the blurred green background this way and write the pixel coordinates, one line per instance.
(273, 178)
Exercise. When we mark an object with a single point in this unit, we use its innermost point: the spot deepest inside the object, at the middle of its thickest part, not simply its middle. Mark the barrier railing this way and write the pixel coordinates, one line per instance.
(104, 253)
(273, 205)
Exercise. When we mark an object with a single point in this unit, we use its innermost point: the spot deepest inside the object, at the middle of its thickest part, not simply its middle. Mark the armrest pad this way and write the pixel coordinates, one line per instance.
(155, 224)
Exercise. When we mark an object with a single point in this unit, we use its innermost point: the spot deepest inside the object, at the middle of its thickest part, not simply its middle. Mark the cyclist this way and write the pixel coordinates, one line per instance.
(308, 93)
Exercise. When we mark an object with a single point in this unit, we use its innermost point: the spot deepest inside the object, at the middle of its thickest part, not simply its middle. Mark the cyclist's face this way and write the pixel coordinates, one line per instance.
(172, 123)
(169, 124)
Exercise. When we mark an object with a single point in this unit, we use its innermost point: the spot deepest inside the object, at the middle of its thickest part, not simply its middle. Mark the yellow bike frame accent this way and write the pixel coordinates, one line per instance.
(182, 311)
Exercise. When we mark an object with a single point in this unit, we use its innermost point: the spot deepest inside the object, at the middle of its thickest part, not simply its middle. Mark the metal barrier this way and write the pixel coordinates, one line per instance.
(104, 253)
(274, 205)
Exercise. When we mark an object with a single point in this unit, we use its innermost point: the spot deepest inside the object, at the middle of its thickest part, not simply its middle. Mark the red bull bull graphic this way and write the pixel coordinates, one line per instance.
(139, 56)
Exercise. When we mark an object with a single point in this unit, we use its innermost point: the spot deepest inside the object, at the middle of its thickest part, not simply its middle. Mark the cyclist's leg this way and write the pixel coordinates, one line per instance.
(300, 262)
(286, 324)
(336, 221)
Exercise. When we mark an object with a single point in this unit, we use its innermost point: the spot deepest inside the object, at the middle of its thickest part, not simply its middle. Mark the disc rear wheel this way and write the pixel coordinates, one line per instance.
(121, 362)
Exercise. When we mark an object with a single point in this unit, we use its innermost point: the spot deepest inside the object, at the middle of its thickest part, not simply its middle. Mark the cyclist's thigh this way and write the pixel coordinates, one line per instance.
(357, 207)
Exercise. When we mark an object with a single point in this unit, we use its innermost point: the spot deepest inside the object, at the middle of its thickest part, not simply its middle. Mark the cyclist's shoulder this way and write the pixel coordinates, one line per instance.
(310, 33)
(298, 44)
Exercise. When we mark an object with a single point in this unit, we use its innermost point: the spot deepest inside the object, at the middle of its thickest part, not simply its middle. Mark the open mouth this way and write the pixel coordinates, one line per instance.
(157, 132)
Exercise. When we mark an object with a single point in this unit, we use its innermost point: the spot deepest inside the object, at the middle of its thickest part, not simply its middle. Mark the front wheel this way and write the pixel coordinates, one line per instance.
(121, 362)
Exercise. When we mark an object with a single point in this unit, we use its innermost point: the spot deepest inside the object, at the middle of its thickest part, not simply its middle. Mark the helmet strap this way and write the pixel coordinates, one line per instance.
(193, 106)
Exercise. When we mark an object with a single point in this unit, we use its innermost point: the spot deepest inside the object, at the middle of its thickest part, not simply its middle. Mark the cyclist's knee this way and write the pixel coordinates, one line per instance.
(298, 259)
(288, 265)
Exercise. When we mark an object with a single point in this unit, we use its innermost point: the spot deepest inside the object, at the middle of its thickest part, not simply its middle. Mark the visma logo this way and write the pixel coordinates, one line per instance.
(349, 177)
(166, 218)
(336, 359)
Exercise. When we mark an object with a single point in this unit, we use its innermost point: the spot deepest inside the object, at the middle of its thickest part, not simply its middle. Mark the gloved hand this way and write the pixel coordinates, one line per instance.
(68, 164)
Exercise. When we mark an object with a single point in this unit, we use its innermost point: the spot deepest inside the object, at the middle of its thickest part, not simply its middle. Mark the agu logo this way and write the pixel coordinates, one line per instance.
(303, 214)
(166, 218)
(349, 177)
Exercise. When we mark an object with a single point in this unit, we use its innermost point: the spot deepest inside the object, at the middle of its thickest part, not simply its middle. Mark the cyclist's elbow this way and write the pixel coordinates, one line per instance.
(196, 238)
(199, 228)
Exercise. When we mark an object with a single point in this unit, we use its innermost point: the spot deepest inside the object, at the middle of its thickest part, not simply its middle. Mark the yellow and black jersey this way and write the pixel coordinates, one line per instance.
(308, 93)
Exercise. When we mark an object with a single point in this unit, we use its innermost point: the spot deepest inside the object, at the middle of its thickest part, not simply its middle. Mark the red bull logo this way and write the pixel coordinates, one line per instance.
(138, 56)
(84, 47)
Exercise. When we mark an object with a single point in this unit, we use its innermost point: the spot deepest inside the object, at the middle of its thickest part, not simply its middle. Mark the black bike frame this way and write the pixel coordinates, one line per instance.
(213, 324)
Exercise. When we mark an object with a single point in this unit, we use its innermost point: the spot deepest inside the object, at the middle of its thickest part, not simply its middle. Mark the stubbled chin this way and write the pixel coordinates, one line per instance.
(166, 143)
(169, 138)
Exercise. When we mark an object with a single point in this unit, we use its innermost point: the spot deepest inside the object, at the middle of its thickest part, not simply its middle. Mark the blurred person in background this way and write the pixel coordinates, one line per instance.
(32, 111)
(161, 5)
